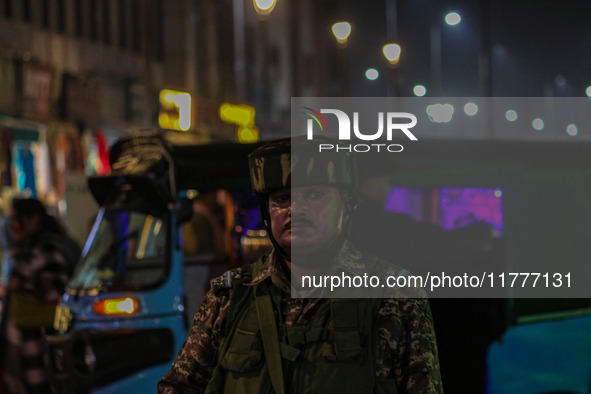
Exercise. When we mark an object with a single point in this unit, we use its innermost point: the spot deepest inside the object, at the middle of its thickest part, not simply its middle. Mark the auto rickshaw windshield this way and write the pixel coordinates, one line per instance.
(125, 250)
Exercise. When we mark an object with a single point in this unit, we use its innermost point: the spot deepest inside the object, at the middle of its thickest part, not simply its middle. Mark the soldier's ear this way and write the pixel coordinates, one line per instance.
(350, 202)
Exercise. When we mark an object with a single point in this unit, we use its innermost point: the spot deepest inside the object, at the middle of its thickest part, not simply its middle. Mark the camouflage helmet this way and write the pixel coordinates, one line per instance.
(298, 162)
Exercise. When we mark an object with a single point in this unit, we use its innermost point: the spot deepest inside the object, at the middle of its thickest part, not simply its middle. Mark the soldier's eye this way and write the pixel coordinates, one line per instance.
(280, 198)
(315, 194)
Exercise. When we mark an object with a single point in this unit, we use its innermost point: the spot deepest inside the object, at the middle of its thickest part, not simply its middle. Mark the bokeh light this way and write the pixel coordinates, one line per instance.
(453, 18)
(372, 74)
(470, 109)
(419, 90)
(440, 113)
(392, 52)
(264, 7)
(572, 129)
(341, 31)
(511, 115)
(537, 124)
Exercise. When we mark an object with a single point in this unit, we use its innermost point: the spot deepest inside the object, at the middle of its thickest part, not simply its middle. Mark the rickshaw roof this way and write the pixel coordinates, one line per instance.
(212, 166)
(144, 160)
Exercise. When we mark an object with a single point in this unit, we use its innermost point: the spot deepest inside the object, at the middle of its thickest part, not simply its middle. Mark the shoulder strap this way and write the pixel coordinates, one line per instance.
(240, 295)
(239, 298)
(268, 327)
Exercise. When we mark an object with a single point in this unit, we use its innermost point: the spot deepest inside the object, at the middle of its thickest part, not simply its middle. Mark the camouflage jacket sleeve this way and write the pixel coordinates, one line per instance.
(193, 366)
(407, 359)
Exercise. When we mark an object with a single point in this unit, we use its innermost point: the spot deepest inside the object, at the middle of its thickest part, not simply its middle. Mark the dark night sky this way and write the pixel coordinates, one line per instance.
(537, 47)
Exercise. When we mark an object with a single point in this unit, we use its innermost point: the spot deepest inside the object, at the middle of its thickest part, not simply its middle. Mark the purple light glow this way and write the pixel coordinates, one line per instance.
(460, 207)
(456, 207)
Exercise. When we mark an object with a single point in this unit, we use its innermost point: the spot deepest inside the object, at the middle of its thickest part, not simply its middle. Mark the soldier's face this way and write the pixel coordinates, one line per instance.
(306, 218)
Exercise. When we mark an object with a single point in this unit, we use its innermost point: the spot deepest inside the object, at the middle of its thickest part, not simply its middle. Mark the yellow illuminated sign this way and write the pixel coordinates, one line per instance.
(242, 116)
(247, 135)
(175, 110)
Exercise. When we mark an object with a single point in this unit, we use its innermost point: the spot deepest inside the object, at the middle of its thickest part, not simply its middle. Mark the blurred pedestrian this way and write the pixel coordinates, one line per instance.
(44, 258)
(6, 262)
(204, 232)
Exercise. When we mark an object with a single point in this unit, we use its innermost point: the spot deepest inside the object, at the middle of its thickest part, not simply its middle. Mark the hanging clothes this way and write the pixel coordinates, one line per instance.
(24, 162)
(6, 166)
(103, 153)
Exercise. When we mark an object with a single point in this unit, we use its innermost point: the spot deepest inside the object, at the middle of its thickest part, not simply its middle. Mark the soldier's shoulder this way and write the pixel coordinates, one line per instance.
(227, 280)
(406, 308)
(370, 261)
(233, 277)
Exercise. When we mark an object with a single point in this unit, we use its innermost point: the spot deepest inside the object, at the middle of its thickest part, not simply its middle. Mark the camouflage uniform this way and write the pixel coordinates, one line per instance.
(405, 355)
(404, 359)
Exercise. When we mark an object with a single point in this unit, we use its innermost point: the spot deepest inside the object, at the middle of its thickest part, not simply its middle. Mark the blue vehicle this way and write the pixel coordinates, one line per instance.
(129, 304)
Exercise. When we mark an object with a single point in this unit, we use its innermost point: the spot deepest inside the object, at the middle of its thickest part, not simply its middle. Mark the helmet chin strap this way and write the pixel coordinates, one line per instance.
(263, 201)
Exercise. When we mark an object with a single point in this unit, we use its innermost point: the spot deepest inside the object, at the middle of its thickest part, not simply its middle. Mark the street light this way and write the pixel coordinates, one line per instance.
(264, 7)
(451, 19)
(341, 31)
(419, 90)
(392, 53)
(372, 74)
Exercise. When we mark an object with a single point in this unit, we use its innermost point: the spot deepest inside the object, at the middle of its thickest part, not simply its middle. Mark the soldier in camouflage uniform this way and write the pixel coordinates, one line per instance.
(255, 334)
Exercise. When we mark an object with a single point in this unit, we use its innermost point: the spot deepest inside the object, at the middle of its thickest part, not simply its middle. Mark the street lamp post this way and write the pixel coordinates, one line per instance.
(341, 31)
(392, 53)
(264, 8)
(486, 80)
(451, 19)
(436, 64)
